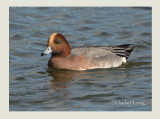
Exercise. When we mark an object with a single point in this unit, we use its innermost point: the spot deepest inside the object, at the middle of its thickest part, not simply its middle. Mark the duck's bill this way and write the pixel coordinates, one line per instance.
(47, 51)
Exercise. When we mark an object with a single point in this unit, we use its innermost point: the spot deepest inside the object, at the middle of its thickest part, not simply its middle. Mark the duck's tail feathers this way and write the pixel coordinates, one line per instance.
(123, 50)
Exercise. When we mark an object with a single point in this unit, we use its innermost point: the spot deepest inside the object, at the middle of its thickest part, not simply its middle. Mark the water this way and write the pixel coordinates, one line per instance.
(35, 87)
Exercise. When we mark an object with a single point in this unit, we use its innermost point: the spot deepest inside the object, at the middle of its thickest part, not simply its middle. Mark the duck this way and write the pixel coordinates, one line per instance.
(84, 58)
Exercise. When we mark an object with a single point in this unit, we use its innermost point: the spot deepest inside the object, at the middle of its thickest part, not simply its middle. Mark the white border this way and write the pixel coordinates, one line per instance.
(155, 4)
(81, 2)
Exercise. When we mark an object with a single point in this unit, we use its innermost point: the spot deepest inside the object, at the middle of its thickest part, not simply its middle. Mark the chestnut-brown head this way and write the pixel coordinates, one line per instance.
(57, 46)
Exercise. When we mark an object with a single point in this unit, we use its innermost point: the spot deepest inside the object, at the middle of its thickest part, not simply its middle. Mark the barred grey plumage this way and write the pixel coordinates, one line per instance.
(123, 50)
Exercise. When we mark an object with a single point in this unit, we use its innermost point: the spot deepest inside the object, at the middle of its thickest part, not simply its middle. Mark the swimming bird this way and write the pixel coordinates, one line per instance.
(83, 58)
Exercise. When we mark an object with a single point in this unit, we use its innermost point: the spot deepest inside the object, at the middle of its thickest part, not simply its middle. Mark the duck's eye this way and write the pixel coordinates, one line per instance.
(58, 41)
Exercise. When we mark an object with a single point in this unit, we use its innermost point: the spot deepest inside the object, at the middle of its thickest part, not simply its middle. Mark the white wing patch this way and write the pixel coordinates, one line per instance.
(124, 60)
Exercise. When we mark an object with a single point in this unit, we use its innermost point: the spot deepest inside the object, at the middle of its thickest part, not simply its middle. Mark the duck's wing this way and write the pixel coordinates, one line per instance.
(97, 51)
(105, 57)
(122, 50)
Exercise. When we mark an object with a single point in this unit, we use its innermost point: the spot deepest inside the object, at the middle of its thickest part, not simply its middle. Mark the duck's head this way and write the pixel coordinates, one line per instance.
(57, 46)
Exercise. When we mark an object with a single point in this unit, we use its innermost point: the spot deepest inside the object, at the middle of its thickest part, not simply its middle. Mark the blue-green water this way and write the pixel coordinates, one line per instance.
(35, 87)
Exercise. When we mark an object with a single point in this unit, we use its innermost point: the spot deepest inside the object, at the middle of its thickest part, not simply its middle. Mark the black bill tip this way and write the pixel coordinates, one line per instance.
(42, 54)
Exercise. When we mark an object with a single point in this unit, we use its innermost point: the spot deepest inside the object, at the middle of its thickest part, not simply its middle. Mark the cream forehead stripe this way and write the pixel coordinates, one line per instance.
(47, 51)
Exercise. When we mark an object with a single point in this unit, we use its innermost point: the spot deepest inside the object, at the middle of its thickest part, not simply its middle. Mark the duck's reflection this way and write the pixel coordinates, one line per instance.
(62, 78)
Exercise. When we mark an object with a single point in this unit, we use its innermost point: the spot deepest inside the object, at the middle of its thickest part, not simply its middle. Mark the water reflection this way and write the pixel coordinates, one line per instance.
(62, 78)
(66, 78)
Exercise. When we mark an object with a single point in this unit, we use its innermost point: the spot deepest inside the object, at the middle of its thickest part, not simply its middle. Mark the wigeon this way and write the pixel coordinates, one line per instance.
(83, 58)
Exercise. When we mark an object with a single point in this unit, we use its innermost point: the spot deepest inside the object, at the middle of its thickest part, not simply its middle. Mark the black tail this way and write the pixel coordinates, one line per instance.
(123, 50)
